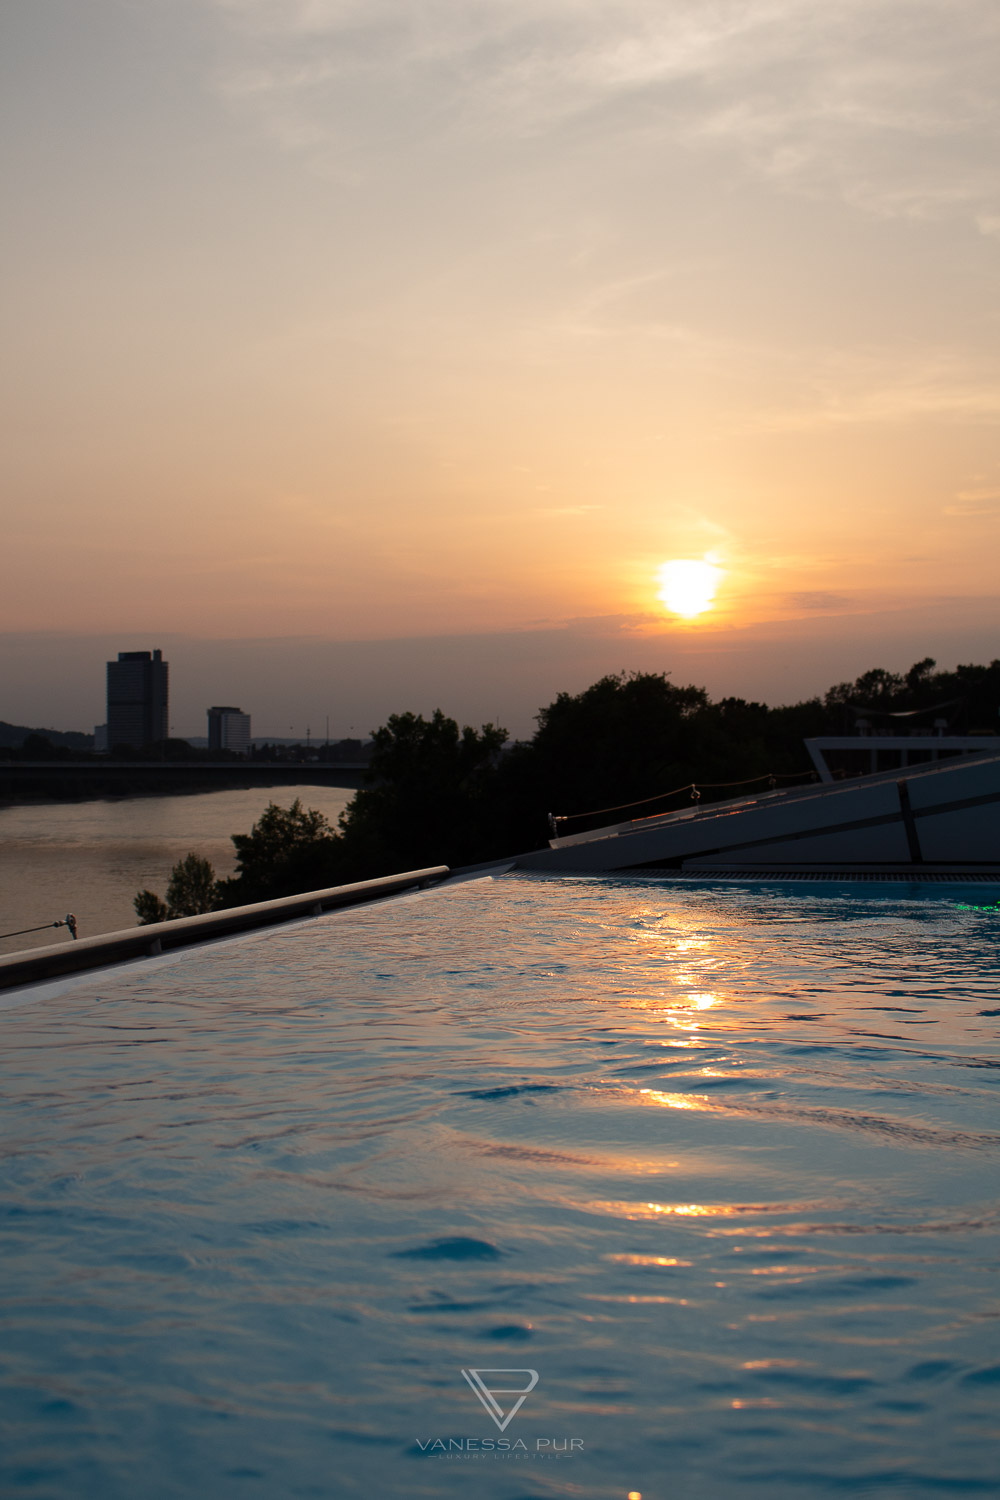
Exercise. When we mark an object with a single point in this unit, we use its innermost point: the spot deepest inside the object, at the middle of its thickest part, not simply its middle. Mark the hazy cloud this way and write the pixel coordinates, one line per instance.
(821, 599)
(890, 104)
(864, 386)
(969, 503)
(559, 511)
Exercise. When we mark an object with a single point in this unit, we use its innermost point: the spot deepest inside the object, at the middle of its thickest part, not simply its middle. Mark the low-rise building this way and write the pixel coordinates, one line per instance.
(228, 729)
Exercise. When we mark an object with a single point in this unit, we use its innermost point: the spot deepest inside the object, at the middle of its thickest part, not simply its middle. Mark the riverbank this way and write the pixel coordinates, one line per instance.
(91, 857)
(39, 783)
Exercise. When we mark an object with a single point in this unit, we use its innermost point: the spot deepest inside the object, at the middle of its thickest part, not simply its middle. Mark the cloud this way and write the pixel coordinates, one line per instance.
(970, 503)
(820, 599)
(865, 386)
(558, 512)
(888, 104)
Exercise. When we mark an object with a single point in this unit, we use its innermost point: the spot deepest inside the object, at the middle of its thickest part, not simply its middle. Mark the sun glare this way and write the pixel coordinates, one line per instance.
(687, 587)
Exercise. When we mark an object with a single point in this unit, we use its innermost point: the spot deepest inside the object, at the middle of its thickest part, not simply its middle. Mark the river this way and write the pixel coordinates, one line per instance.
(90, 858)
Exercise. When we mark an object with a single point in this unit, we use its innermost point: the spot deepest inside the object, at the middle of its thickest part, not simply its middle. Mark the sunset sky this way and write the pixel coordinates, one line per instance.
(433, 329)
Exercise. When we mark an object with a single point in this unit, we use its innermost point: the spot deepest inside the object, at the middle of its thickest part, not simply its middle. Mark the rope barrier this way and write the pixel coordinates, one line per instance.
(68, 921)
(693, 787)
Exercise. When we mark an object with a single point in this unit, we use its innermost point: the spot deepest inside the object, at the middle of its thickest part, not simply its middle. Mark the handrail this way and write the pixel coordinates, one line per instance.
(689, 786)
(67, 921)
(56, 959)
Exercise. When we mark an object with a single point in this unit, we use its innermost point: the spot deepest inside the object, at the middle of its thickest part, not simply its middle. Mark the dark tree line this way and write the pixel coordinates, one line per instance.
(436, 793)
(17, 743)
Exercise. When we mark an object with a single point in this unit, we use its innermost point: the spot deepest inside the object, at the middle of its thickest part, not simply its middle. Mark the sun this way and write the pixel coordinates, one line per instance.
(687, 587)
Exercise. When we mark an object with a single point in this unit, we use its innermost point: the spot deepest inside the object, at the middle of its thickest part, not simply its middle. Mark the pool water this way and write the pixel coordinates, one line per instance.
(718, 1164)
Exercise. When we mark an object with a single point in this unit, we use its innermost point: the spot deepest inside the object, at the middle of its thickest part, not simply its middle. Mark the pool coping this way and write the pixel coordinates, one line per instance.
(58, 959)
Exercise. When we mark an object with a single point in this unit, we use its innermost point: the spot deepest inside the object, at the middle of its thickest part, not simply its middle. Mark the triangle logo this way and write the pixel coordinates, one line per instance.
(488, 1390)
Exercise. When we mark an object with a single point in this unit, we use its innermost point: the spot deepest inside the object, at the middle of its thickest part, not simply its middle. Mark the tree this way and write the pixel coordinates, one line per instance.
(38, 747)
(430, 798)
(149, 908)
(629, 736)
(919, 674)
(979, 687)
(193, 889)
(288, 850)
(874, 689)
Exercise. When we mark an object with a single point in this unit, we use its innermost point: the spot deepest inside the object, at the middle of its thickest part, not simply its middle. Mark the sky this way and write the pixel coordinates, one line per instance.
(371, 355)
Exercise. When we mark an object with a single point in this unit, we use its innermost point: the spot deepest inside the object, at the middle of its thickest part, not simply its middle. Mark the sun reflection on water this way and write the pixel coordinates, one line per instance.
(674, 1101)
(640, 1211)
(648, 1260)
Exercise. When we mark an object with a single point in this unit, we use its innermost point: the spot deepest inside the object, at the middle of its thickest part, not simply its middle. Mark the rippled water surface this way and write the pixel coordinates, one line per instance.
(719, 1163)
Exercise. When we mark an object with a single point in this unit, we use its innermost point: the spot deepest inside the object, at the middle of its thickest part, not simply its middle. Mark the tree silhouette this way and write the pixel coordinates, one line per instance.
(193, 889)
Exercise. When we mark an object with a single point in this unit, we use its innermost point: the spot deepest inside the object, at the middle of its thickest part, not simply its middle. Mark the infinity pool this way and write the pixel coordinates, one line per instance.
(717, 1164)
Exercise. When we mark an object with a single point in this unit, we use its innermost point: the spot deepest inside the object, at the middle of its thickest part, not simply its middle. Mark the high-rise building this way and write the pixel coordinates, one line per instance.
(228, 729)
(137, 699)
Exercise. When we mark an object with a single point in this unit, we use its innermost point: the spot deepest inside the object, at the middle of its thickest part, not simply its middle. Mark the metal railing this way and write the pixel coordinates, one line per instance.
(67, 921)
(693, 789)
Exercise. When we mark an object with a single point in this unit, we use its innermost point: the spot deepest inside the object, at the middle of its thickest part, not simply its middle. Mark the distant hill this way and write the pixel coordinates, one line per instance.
(13, 736)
